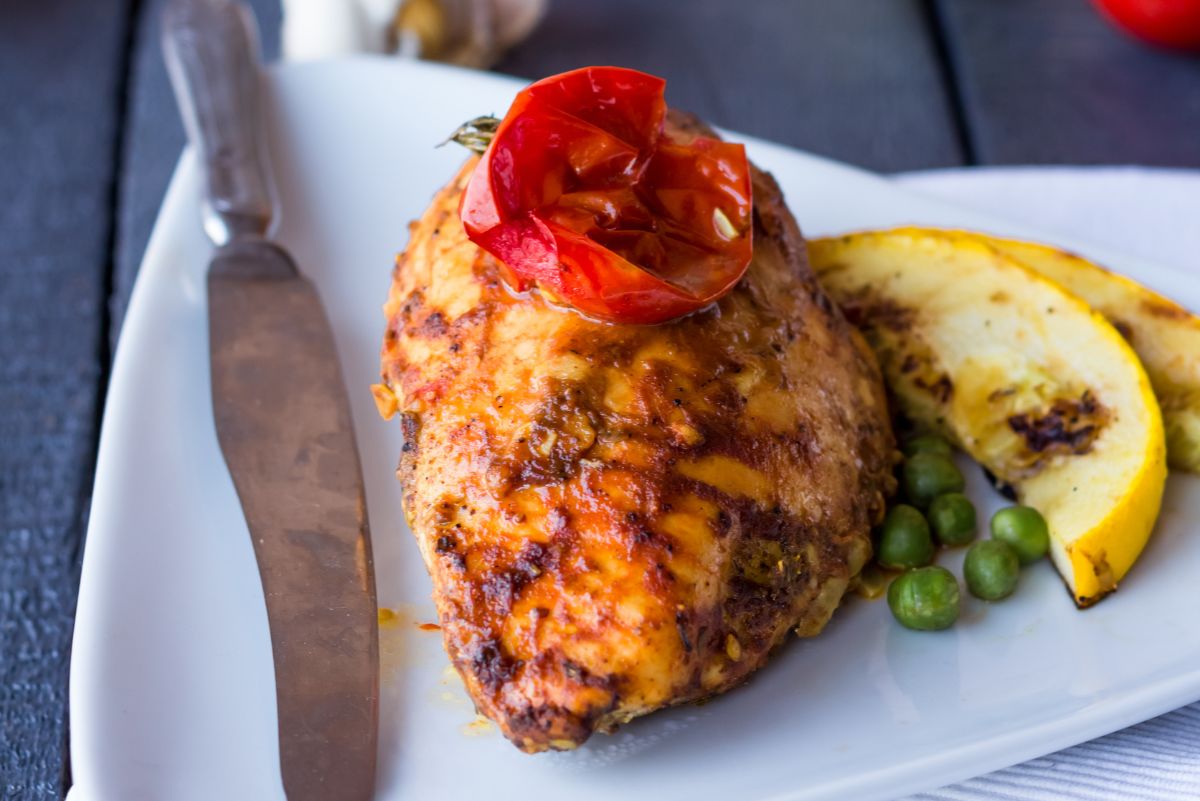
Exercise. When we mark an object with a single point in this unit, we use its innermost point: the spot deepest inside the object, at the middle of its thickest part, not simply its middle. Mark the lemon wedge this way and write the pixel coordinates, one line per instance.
(1024, 376)
(1165, 336)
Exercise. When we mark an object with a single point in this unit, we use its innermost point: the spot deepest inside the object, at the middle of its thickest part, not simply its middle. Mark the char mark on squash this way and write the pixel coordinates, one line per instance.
(878, 313)
(1070, 426)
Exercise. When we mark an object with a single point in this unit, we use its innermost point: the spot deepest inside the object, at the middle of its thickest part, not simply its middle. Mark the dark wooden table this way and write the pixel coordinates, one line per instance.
(90, 136)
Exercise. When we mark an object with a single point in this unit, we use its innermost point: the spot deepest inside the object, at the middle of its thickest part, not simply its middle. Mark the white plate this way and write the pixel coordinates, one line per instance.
(171, 679)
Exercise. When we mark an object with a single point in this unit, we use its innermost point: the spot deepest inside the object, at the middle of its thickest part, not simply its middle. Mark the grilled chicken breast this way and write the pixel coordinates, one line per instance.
(619, 518)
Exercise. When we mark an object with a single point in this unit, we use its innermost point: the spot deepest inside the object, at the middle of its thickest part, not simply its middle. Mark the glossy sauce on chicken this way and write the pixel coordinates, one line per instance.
(619, 518)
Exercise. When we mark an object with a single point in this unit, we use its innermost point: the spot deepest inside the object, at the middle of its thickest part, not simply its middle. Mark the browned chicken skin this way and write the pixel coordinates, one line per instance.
(620, 518)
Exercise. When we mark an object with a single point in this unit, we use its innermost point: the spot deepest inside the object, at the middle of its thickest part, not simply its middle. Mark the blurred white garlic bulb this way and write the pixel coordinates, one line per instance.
(317, 29)
(472, 33)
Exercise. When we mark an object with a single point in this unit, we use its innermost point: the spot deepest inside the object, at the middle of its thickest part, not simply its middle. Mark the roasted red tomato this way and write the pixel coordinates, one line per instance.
(582, 195)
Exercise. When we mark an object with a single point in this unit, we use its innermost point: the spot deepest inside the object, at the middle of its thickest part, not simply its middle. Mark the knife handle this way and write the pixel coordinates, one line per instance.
(211, 50)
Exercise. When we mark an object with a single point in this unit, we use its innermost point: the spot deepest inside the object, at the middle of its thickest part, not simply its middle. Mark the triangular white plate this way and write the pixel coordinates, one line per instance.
(171, 680)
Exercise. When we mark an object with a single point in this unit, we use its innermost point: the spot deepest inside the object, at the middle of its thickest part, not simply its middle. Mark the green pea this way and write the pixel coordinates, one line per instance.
(952, 518)
(905, 540)
(991, 570)
(928, 475)
(925, 599)
(1023, 528)
(926, 443)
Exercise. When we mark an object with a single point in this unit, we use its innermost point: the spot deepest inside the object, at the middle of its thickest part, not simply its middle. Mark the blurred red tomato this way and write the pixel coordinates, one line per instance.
(1168, 23)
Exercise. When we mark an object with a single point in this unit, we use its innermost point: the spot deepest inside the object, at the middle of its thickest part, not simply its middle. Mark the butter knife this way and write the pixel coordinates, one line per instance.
(283, 421)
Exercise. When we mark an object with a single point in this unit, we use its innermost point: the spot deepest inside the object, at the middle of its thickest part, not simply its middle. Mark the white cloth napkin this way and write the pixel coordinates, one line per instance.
(1153, 214)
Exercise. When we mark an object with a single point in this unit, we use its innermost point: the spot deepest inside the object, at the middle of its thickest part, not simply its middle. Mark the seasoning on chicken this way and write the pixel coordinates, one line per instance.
(619, 518)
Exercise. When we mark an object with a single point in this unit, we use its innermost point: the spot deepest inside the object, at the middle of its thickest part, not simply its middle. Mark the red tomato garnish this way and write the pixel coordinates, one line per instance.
(582, 195)
(1168, 23)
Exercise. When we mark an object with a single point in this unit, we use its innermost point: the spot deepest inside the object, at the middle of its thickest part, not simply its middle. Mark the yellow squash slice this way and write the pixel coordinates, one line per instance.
(1024, 376)
(1165, 335)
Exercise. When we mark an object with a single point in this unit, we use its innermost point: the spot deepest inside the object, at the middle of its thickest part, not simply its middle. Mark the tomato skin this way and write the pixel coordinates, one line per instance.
(582, 196)
(1166, 23)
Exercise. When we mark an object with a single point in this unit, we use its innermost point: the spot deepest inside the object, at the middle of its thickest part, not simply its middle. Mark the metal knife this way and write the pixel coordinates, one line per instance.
(283, 421)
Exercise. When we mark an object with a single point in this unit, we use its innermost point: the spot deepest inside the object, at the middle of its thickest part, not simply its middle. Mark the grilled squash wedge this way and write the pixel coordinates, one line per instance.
(1024, 376)
(1165, 336)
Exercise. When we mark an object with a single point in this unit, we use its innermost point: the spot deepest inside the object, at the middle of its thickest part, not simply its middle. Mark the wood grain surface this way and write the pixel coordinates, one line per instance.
(61, 64)
(1050, 81)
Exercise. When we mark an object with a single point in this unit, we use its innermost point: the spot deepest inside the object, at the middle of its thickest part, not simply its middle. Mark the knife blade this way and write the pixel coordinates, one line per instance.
(283, 422)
